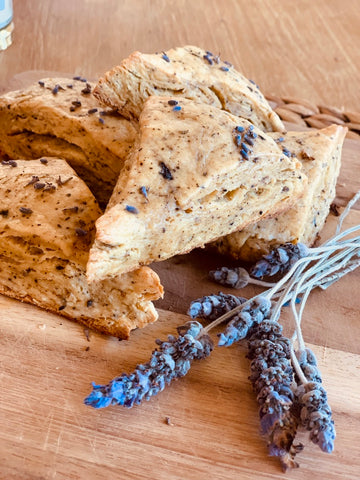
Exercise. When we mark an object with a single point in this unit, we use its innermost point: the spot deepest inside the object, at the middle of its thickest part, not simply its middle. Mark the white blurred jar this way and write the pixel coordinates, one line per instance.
(6, 23)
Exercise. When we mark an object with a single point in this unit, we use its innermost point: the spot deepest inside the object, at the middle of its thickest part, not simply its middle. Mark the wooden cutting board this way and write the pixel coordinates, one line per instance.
(203, 426)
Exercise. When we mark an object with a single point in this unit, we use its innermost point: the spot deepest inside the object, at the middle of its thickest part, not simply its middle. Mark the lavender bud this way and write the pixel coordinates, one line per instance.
(230, 277)
(280, 260)
(213, 306)
(238, 328)
(316, 415)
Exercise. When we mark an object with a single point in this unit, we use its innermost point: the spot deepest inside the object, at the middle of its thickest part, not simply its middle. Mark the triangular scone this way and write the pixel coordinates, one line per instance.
(195, 174)
(188, 72)
(47, 223)
(60, 117)
(320, 155)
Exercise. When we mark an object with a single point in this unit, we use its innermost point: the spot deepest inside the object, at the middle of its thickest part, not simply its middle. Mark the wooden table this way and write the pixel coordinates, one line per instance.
(305, 48)
(206, 425)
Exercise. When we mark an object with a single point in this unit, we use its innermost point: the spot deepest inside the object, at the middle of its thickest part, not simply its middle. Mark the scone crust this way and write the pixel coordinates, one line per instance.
(188, 72)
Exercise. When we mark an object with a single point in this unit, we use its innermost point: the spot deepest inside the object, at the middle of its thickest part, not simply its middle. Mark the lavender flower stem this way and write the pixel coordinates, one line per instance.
(333, 240)
(339, 245)
(328, 281)
(335, 263)
(355, 198)
(286, 292)
(296, 366)
(295, 271)
(261, 283)
(315, 273)
(231, 313)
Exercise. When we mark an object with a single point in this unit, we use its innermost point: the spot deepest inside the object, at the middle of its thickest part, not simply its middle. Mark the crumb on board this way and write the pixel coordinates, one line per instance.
(334, 209)
(168, 421)
(87, 334)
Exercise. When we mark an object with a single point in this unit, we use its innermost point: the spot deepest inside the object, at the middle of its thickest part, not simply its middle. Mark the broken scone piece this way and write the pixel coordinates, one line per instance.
(47, 224)
(59, 117)
(188, 72)
(195, 174)
(320, 155)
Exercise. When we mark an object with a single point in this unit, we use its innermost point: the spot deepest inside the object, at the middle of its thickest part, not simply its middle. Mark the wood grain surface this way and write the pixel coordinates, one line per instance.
(203, 426)
(308, 49)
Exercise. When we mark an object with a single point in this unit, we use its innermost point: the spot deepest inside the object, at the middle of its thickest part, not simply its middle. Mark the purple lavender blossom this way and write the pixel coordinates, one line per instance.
(253, 313)
(236, 277)
(211, 307)
(170, 361)
(272, 377)
(280, 260)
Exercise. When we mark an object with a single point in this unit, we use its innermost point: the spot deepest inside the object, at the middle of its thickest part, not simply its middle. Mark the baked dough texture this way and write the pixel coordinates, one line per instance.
(60, 117)
(320, 155)
(47, 224)
(195, 174)
(188, 72)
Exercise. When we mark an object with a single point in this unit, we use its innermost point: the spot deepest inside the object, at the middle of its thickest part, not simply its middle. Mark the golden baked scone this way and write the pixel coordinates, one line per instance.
(320, 155)
(188, 72)
(60, 117)
(47, 224)
(195, 174)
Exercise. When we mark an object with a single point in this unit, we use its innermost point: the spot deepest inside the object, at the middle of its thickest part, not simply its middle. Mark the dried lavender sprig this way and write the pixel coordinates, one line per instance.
(236, 277)
(211, 307)
(315, 413)
(251, 314)
(170, 361)
(268, 294)
(285, 292)
(280, 260)
(272, 378)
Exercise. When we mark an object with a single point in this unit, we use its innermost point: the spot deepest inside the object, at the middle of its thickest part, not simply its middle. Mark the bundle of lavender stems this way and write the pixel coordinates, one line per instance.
(283, 371)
